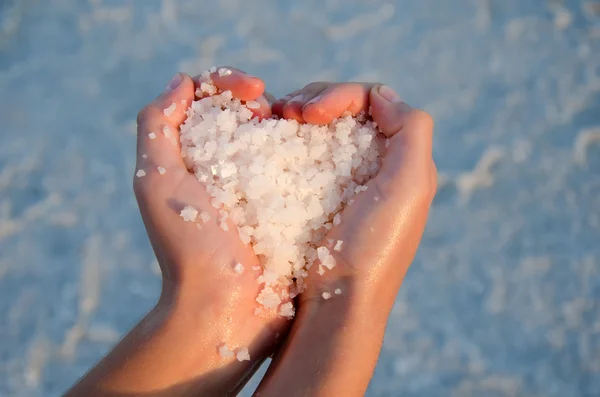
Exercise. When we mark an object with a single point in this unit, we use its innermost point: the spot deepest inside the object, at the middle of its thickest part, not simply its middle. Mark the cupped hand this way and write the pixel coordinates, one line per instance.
(382, 229)
(198, 259)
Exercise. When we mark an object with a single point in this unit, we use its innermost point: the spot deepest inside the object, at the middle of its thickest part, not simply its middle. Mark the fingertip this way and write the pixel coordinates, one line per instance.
(389, 114)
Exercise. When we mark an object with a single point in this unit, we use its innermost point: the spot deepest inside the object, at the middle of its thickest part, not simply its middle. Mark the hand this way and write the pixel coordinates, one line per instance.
(380, 231)
(204, 302)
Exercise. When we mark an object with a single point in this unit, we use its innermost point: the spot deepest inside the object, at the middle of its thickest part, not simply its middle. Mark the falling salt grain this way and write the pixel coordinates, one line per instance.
(140, 173)
(189, 214)
(338, 245)
(152, 135)
(161, 170)
(243, 355)
(170, 110)
(224, 72)
(326, 295)
(238, 268)
(337, 291)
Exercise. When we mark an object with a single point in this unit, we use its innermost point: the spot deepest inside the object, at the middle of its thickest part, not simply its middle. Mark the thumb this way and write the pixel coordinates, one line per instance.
(408, 159)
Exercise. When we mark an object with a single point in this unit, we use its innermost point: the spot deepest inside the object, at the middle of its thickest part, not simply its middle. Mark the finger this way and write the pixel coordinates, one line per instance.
(410, 131)
(242, 85)
(334, 101)
(270, 98)
(293, 108)
(264, 109)
(158, 126)
(278, 105)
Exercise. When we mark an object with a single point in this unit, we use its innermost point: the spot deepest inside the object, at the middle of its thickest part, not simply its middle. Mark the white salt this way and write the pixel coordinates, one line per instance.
(243, 355)
(338, 245)
(337, 219)
(183, 102)
(168, 133)
(152, 135)
(224, 72)
(170, 110)
(225, 352)
(212, 69)
(238, 268)
(161, 170)
(326, 295)
(287, 310)
(283, 183)
(204, 217)
(252, 105)
(224, 226)
(387, 143)
(376, 198)
(321, 270)
(337, 291)
(189, 214)
(144, 156)
(256, 268)
(140, 173)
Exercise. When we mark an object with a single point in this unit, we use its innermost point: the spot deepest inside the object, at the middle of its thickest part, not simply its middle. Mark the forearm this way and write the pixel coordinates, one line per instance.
(171, 352)
(331, 351)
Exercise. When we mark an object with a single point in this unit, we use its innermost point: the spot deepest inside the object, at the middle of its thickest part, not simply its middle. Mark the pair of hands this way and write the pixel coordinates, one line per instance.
(204, 303)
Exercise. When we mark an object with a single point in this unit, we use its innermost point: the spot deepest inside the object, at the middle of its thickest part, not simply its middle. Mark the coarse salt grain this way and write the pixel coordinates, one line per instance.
(387, 143)
(338, 245)
(225, 352)
(152, 135)
(252, 105)
(337, 219)
(144, 156)
(140, 173)
(337, 291)
(238, 268)
(287, 310)
(243, 355)
(224, 72)
(161, 170)
(204, 217)
(170, 110)
(189, 213)
(376, 198)
(169, 135)
(326, 295)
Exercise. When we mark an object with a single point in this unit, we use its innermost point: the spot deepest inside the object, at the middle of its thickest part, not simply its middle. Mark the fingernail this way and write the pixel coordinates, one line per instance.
(389, 94)
(174, 83)
(314, 100)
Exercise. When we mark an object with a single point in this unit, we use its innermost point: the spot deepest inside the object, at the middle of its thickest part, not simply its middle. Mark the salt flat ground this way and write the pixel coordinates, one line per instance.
(503, 298)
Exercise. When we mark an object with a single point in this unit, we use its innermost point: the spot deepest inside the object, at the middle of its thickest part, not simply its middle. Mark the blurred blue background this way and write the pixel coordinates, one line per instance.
(504, 296)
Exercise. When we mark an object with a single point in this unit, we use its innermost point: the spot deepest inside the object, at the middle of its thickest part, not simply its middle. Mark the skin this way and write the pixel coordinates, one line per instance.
(204, 303)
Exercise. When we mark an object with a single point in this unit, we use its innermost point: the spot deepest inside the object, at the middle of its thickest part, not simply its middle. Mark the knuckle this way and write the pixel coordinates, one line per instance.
(421, 118)
(144, 115)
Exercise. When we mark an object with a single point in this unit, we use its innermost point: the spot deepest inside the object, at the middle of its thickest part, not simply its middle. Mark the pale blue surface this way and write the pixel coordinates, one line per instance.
(503, 299)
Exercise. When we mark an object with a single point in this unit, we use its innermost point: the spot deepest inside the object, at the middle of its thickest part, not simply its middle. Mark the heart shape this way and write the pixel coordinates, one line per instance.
(281, 183)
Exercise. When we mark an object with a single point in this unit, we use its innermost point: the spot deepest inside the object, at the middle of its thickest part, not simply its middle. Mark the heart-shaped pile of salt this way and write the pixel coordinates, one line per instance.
(282, 183)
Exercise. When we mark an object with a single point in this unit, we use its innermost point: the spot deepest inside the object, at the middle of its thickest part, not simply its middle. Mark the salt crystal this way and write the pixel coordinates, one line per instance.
(224, 72)
(337, 219)
(189, 214)
(238, 268)
(169, 135)
(161, 170)
(337, 291)
(205, 217)
(256, 268)
(387, 143)
(225, 352)
(252, 105)
(376, 198)
(326, 295)
(287, 310)
(212, 69)
(183, 102)
(338, 245)
(224, 226)
(152, 135)
(140, 173)
(243, 355)
(321, 270)
(144, 156)
(170, 110)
